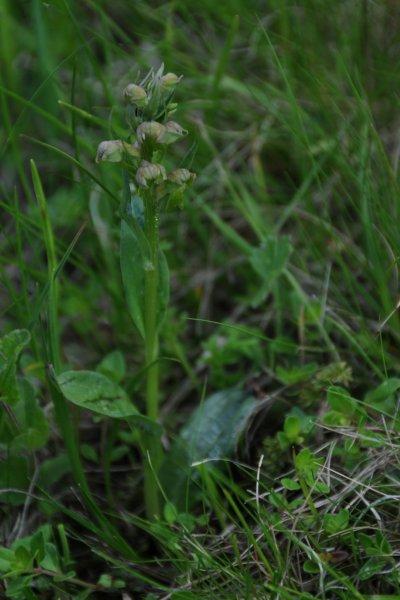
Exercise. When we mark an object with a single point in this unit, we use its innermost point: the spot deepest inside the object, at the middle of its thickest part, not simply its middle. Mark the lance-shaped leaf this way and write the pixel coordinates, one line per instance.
(135, 260)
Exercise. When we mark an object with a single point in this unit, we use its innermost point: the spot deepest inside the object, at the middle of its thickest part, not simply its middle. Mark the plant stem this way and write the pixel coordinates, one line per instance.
(152, 444)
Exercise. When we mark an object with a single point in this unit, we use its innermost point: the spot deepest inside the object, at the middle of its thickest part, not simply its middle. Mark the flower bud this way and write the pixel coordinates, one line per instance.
(181, 176)
(150, 130)
(172, 106)
(110, 151)
(172, 132)
(135, 94)
(169, 80)
(150, 173)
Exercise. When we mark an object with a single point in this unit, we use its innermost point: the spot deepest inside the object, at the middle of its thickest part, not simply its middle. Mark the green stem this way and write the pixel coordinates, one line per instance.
(152, 444)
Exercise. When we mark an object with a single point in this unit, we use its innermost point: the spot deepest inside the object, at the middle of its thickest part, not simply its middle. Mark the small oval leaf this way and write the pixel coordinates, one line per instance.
(95, 392)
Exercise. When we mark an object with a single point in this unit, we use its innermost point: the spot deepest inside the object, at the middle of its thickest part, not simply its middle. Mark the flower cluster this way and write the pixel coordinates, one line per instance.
(149, 108)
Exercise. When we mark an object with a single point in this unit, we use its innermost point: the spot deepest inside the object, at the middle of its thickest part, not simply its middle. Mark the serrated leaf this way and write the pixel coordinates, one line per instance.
(134, 259)
(95, 392)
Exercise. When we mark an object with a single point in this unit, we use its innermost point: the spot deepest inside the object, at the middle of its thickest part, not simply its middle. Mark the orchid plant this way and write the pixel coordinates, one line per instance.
(149, 190)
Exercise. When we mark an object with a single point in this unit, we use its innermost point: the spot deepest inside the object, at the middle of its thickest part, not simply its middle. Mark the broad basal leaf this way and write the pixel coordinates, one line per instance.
(212, 432)
(216, 426)
(95, 392)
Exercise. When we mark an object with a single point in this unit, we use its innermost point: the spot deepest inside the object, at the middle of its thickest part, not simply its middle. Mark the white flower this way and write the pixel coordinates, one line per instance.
(181, 176)
(150, 173)
(172, 132)
(110, 151)
(114, 151)
(150, 130)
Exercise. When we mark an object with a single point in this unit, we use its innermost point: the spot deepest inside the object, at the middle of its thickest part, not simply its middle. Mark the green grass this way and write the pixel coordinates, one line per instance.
(284, 289)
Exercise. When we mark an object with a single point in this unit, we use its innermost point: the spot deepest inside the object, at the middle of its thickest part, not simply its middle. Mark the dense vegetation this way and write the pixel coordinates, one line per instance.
(240, 437)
